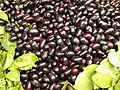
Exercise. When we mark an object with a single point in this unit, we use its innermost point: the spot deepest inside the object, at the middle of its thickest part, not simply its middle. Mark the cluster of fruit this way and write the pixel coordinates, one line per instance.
(66, 35)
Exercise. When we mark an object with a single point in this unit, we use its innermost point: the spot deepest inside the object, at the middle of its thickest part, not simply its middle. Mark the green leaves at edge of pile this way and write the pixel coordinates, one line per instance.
(84, 79)
(6, 43)
(24, 62)
(3, 16)
(105, 73)
(10, 68)
(105, 76)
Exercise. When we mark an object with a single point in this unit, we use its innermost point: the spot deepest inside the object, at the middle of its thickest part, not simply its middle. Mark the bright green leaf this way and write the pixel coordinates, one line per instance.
(13, 88)
(20, 87)
(13, 75)
(2, 59)
(117, 86)
(111, 88)
(96, 87)
(2, 84)
(106, 67)
(9, 83)
(102, 80)
(2, 75)
(6, 43)
(67, 86)
(83, 82)
(3, 16)
(2, 30)
(0, 39)
(21, 6)
(9, 58)
(116, 79)
(89, 70)
(86, 80)
(119, 46)
(114, 58)
(25, 62)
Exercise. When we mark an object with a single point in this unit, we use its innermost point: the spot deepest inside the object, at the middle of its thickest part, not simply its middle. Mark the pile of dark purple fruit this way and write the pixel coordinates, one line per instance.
(66, 35)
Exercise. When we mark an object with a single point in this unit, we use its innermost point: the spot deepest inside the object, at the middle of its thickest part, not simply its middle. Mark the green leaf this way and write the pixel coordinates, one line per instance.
(86, 80)
(9, 58)
(3, 16)
(9, 83)
(83, 81)
(6, 43)
(13, 75)
(89, 70)
(114, 58)
(116, 79)
(21, 6)
(2, 75)
(25, 62)
(106, 67)
(119, 46)
(67, 86)
(2, 84)
(13, 88)
(117, 86)
(96, 87)
(20, 87)
(2, 59)
(111, 88)
(2, 30)
(102, 80)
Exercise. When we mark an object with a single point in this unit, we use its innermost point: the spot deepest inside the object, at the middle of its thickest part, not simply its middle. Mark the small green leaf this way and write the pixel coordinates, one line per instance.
(3, 16)
(13, 75)
(21, 6)
(106, 67)
(89, 70)
(67, 86)
(119, 46)
(2, 59)
(2, 84)
(83, 82)
(102, 80)
(114, 58)
(86, 80)
(2, 30)
(9, 58)
(25, 62)
(6, 43)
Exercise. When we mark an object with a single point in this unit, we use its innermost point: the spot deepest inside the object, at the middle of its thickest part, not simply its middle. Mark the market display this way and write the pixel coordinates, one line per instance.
(65, 35)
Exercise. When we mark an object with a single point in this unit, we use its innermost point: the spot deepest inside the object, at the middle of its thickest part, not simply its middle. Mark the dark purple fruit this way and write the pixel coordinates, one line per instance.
(44, 85)
(24, 76)
(34, 32)
(95, 46)
(75, 71)
(35, 83)
(33, 76)
(28, 86)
